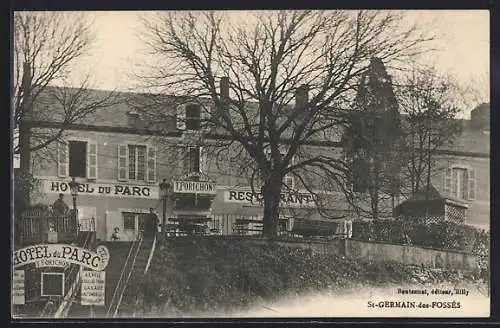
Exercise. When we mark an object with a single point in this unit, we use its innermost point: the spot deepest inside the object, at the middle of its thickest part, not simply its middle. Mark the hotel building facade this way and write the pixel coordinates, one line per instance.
(120, 161)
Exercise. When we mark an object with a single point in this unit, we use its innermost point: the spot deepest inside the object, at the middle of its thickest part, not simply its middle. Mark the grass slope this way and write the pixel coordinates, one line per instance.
(189, 275)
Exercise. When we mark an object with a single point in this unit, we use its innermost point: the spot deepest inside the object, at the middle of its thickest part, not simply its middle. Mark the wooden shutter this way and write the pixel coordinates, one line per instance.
(472, 184)
(203, 159)
(122, 162)
(181, 117)
(62, 159)
(92, 160)
(186, 158)
(206, 115)
(447, 180)
(151, 164)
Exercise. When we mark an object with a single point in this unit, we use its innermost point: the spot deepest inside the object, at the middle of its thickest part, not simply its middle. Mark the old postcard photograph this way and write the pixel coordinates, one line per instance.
(250, 164)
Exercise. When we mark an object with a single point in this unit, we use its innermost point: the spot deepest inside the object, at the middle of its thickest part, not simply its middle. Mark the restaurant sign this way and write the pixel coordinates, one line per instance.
(104, 189)
(287, 199)
(61, 255)
(194, 187)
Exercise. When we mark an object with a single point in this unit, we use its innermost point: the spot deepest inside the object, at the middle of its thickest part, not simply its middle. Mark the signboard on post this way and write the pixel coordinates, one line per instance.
(18, 287)
(93, 287)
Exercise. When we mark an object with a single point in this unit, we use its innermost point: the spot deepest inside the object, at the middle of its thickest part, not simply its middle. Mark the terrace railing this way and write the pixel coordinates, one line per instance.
(35, 225)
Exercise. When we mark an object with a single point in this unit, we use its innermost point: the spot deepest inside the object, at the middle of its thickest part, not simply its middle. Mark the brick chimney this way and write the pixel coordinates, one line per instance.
(301, 96)
(480, 117)
(224, 87)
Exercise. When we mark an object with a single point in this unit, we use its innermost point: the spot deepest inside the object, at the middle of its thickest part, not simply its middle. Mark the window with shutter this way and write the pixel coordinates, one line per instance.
(62, 159)
(181, 117)
(122, 162)
(151, 163)
(91, 160)
(472, 184)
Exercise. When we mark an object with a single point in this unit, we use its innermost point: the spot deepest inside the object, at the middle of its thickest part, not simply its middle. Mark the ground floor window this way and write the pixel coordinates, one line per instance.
(129, 220)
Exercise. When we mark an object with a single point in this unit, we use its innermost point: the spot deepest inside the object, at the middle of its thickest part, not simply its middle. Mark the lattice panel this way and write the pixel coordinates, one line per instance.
(455, 214)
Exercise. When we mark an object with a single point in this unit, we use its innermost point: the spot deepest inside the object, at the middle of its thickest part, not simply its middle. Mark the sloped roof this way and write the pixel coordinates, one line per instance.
(123, 111)
(118, 114)
(429, 194)
(425, 193)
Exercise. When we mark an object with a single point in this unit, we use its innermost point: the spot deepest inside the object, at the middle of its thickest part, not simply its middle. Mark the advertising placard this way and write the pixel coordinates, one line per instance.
(18, 287)
(93, 287)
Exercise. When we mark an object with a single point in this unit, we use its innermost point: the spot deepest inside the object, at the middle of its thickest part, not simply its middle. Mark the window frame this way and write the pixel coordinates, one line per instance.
(85, 164)
(126, 144)
(135, 219)
(193, 118)
(65, 144)
(467, 192)
(136, 166)
(53, 274)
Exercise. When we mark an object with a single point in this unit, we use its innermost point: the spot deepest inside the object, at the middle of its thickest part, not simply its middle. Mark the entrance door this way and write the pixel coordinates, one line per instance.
(132, 224)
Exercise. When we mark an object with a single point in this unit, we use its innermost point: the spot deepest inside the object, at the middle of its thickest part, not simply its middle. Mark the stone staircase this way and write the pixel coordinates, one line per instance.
(138, 270)
(119, 273)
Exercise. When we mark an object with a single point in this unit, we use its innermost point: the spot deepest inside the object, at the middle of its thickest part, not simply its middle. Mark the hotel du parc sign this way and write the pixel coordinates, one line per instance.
(121, 190)
(61, 255)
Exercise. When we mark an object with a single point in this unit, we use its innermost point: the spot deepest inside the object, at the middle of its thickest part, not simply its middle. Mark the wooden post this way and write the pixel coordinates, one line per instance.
(41, 226)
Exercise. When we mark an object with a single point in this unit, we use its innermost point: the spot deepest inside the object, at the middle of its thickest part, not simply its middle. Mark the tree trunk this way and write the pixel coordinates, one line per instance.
(271, 194)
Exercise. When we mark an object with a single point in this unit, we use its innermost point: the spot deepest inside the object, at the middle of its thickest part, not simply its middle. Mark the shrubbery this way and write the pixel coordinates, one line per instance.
(442, 235)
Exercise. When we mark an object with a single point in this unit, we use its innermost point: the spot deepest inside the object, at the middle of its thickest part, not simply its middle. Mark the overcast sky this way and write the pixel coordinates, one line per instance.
(464, 43)
(463, 34)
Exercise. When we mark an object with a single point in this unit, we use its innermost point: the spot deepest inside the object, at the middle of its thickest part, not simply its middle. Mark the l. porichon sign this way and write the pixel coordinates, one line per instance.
(104, 189)
(194, 187)
(60, 254)
(291, 199)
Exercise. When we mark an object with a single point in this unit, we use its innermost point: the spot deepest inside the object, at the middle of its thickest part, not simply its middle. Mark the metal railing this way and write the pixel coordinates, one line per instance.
(72, 281)
(125, 275)
(34, 224)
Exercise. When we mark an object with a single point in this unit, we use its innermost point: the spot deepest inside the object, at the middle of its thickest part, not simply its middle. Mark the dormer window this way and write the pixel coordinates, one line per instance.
(193, 116)
(189, 117)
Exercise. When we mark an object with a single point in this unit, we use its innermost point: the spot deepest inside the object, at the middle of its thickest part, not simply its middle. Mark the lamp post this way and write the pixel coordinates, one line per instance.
(73, 186)
(164, 186)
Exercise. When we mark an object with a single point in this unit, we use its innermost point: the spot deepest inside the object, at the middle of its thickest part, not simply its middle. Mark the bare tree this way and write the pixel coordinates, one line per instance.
(430, 105)
(265, 58)
(47, 46)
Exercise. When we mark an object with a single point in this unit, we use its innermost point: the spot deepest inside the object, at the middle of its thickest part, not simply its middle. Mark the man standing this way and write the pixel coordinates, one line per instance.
(152, 222)
(60, 207)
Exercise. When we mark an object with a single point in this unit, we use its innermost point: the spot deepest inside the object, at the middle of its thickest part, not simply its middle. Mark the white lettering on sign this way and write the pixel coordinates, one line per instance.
(61, 254)
(18, 287)
(290, 199)
(103, 189)
(194, 187)
(93, 287)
